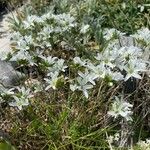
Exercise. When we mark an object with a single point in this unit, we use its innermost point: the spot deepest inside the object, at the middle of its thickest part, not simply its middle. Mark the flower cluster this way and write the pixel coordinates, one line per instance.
(39, 33)
(145, 145)
(120, 108)
(85, 81)
(21, 98)
(113, 138)
(114, 63)
(5, 93)
(143, 35)
(54, 67)
(111, 33)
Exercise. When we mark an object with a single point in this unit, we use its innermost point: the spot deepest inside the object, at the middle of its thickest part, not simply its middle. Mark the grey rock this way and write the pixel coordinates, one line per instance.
(126, 41)
(9, 77)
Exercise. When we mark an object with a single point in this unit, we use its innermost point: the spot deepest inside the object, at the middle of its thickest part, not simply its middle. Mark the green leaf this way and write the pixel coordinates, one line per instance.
(6, 146)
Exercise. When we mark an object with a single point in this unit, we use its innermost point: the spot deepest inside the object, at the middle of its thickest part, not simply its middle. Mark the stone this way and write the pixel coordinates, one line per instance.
(126, 41)
(9, 77)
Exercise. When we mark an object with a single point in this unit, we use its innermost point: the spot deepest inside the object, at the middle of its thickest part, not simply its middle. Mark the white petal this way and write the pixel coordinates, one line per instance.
(85, 93)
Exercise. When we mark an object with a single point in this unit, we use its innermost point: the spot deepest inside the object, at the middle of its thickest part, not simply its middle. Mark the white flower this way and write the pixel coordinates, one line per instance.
(73, 87)
(23, 55)
(85, 81)
(77, 60)
(143, 34)
(52, 83)
(90, 77)
(59, 65)
(130, 52)
(29, 22)
(99, 70)
(110, 139)
(22, 45)
(121, 108)
(109, 33)
(65, 19)
(84, 87)
(50, 60)
(123, 5)
(116, 137)
(106, 58)
(22, 98)
(4, 55)
(84, 28)
(47, 16)
(55, 64)
(24, 92)
(47, 30)
(15, 36)
(19, 102)
(141, 8)
(145, 145)
(28, 39)
(59, 29)
(117, 76)
(4, 91)
(113, 138)
(133, 68)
